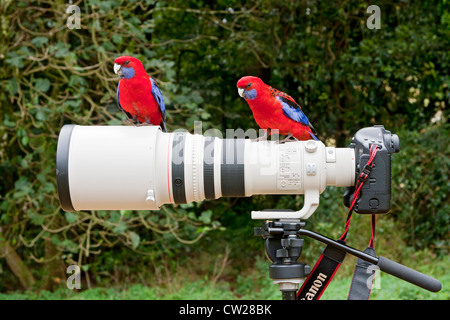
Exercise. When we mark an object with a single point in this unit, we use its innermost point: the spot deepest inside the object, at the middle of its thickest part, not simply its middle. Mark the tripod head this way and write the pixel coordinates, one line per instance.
(283, 247)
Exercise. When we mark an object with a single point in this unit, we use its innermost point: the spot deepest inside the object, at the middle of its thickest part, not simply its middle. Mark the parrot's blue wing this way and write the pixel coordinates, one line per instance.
(118, 97)
(118, 103)
(157, 95)
(293, 111)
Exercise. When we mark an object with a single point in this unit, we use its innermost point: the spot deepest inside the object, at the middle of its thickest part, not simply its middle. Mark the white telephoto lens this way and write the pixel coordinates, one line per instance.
(143, 168)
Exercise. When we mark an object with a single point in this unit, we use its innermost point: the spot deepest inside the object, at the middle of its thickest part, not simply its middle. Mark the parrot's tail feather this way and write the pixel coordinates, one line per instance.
(163, 126)
(313, 136)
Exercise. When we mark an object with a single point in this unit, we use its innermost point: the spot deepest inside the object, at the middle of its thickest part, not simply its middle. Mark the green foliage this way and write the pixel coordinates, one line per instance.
(344, 75)
(421, 186)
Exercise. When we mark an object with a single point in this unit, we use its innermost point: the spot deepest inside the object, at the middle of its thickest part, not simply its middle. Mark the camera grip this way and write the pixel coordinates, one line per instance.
(408, 274)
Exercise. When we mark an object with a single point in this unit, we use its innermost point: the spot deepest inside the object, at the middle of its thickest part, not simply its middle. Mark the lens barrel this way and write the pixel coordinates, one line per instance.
(143, 168)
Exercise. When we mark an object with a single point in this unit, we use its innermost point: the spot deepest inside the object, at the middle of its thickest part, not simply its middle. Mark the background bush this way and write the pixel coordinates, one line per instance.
(344, 75)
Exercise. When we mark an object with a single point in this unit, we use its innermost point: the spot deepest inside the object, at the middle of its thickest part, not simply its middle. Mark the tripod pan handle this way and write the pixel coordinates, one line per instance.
(400, 271)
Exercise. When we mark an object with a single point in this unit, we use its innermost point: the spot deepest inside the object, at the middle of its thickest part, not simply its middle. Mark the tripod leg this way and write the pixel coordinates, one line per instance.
(289, 295)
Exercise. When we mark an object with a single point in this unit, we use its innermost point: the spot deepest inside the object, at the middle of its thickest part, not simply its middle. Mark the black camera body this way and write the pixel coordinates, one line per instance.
(375, 195)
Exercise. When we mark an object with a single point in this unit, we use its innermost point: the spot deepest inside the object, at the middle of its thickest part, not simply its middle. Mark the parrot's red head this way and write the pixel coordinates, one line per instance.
(249, 87)
(128, 67)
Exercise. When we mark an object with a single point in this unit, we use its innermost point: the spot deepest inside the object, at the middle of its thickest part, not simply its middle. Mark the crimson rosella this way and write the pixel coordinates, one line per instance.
(138, 94)
(273, 109)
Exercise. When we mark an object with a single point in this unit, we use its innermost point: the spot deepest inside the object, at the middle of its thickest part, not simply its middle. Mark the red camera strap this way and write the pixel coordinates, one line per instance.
(332, 257)
(364, 272)
(322, 273)
(359, 184)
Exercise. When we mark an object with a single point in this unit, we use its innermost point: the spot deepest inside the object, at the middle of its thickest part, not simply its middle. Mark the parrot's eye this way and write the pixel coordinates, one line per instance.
(126, 62)
(249, 84)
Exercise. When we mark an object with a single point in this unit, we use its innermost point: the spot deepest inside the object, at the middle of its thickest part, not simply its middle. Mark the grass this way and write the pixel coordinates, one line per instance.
(254, 285)
(390, 288)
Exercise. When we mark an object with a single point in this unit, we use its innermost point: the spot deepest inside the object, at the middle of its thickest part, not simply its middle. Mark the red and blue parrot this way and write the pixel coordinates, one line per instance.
(138, 95)
(273, 109)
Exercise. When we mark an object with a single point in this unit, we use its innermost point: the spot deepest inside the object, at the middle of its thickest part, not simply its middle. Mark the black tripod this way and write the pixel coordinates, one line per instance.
(283, 245)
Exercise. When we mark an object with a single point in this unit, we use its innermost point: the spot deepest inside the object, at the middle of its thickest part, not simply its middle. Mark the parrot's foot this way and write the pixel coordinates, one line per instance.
(263, 138)
(130, 122)
(146, 123)
(133, 121)
(139, 124)
(142, 124)
(289, 138)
